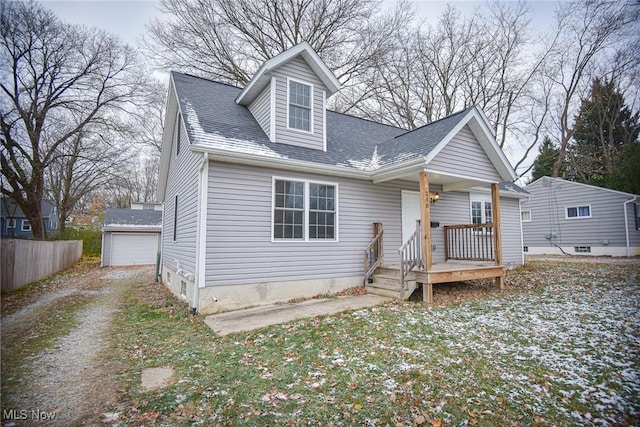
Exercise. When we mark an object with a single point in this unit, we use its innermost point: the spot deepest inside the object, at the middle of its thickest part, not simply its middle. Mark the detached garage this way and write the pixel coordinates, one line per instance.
(131, 237)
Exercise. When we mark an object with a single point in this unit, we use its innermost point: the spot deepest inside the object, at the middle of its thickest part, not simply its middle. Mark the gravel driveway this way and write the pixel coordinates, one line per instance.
(63, 379)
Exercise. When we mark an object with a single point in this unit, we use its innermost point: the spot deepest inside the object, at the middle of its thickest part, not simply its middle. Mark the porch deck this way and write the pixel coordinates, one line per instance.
(386, 281)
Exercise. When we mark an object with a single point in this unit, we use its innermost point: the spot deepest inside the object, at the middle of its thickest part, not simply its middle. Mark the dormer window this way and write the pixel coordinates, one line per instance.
(300, 114)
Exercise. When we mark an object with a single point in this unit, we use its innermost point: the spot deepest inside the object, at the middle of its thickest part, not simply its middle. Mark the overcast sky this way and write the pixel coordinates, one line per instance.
(127, 18)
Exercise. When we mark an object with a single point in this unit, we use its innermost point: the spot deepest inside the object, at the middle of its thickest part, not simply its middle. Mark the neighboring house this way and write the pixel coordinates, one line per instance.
(269, 196)
(579, 219)
(15, 225)
(147, 206)
(131, 236)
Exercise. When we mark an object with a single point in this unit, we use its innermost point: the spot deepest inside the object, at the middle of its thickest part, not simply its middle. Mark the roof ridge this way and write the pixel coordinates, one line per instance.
(366, 119)
(205, 79)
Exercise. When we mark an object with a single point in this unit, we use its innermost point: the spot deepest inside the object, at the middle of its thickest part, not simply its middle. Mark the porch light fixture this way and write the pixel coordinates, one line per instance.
(434, 197)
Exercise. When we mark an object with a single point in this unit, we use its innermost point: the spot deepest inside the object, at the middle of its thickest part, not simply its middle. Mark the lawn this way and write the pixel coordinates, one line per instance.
(561, 346)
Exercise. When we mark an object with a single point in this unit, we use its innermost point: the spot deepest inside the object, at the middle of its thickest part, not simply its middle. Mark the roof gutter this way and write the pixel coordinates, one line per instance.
(626, 222)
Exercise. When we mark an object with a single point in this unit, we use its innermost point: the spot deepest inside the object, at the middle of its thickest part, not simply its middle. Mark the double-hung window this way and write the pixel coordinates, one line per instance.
(26, 225)
(11, 223)
(636, 209)
(578, 212)
(304, 210)
(300, 111)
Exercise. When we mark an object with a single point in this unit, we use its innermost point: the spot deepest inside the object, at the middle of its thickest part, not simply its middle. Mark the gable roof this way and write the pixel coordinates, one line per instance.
(543, 179)
(132, 218)
(359, 148)
(9, 209)
(260, 80)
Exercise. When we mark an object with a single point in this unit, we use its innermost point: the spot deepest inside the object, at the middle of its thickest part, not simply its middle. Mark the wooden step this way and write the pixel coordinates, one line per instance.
(389, 285)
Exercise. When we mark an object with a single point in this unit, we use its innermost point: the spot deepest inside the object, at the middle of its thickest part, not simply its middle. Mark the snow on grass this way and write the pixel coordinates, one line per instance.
(564, 351)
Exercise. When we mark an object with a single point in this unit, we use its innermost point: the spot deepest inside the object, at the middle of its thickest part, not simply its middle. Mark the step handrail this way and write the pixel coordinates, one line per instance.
(374, 253)
(410, 256)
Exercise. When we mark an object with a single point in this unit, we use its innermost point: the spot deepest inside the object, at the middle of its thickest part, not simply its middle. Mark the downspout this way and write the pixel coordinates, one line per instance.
(626, 222)
(201, 239)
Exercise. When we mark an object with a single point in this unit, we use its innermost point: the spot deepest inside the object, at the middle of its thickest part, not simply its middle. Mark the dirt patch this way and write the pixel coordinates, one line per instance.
(72, 381)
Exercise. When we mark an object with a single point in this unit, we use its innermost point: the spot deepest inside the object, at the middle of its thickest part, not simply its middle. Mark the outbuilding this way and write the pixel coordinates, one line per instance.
(131, 237)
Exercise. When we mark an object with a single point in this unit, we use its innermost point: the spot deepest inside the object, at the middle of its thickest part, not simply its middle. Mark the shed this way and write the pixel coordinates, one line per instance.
(131, 237)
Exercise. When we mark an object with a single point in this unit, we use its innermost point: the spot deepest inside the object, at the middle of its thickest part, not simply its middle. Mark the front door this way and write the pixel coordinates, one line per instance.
(410, 213)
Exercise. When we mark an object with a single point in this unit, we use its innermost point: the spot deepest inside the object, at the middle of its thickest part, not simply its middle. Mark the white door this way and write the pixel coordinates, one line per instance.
(410, 213)
(134, 248)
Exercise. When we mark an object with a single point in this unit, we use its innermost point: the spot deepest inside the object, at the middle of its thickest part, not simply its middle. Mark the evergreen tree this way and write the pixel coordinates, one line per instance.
(547, 156)
(604, 127)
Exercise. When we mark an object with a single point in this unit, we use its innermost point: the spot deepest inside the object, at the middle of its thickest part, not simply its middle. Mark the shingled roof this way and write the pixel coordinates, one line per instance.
(132, 218)
(351, 141)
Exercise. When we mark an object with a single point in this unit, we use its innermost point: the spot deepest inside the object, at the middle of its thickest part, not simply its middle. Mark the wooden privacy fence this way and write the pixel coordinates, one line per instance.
(25, 261)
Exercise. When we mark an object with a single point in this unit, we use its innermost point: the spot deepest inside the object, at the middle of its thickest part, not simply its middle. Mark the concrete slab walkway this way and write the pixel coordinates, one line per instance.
(259, 317)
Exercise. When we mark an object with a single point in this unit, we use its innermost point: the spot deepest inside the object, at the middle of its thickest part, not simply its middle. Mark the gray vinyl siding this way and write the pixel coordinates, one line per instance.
(511, 232)
(548, 202)
(261, 109)
(298, 69)
(183, 181)
(455, 208)
(239, 246)
(463, 155)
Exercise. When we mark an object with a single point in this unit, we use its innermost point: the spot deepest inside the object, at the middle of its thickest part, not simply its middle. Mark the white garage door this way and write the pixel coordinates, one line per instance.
(134, 249)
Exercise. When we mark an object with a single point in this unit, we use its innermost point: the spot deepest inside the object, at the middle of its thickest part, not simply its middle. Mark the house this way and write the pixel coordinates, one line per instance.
(15, 225)
(565, 217)
(131, 236)
(269, 196)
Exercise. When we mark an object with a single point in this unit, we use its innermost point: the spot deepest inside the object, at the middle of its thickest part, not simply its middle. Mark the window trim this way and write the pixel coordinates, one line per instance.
(577, 208)
(175, 219)
(305, 224)
(311, 109)
(27, 223)
(525, 220)
(483, 198)
(11, 223)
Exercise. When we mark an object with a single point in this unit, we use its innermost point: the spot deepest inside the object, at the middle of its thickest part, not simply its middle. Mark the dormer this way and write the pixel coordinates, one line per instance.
(287, 97)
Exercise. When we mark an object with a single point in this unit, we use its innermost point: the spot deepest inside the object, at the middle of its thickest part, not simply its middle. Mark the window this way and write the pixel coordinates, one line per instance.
(183, 289)
(11, 223)
(525, 216)
(26, 225)
(578, 212)
(481, 212)
(304, 210)
(322, 211)
(175, 219)
(178, 126)
(288, 213)
(636, 208)
(582, 249)
(300, 96)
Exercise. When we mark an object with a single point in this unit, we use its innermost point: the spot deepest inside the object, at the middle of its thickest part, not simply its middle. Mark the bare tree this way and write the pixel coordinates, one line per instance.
(55, 71)
(88, 161)
(228, 40)
(587, 33)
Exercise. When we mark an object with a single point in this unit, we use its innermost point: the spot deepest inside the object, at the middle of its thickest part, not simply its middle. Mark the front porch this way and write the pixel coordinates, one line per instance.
(472, 252)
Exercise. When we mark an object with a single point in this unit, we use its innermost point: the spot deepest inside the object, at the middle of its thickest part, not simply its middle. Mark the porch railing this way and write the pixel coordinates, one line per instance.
(374, 253)
(410, 256)
(469, 242)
